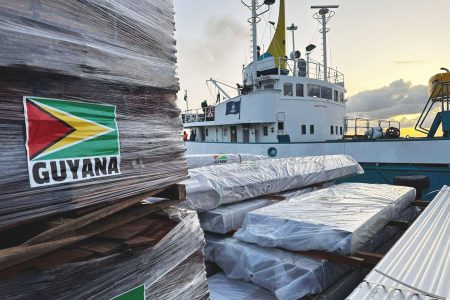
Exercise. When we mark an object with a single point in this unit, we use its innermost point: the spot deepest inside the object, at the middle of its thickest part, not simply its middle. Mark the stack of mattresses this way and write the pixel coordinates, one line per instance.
(89, 128)
(88, 98)
(339, 219)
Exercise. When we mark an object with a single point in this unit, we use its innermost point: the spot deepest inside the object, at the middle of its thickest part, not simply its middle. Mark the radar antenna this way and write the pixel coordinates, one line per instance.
(323, 16)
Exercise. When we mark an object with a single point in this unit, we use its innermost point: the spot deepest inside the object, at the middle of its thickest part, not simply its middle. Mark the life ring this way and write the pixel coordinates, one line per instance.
(272, 152)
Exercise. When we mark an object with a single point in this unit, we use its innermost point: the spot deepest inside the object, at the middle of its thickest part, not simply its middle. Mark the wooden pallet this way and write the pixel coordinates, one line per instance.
(123, 226)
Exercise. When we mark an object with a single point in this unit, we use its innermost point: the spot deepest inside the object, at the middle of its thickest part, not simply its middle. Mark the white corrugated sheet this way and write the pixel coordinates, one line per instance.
(418, 266)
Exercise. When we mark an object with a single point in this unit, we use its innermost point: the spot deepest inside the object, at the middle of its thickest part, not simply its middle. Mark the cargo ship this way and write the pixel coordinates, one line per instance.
(295, 106)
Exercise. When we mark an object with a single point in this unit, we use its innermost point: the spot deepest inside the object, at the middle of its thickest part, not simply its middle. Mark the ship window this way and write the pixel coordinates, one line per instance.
(299, 90)
(280, 125)
(303, 129)
(326, 92)
(265, 131)
(336, 95)
(332, 129)
(206, 131)
(313, 90)
(337, 130)
(341, 130)
(311, 129)
(341, 96)
(268, 87)
(288, 89)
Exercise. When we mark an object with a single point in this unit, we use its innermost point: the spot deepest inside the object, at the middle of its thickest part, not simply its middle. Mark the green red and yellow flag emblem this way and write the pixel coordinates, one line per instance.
(70, 140)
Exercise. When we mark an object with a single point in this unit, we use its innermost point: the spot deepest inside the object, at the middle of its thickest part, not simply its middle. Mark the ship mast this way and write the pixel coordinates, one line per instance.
(254, 7)
(323, 16)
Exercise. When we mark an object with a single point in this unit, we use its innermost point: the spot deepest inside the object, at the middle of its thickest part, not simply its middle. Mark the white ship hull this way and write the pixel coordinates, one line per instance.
(404, 151)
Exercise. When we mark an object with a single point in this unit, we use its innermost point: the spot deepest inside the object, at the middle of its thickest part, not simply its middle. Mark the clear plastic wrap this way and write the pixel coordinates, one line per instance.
(231, 216)
(203, 160)
(222, 288)
(339, 219)
(108, 53)
(289, 276)
(213, 186)
(172, 269)
(121, 41)
(418, 265)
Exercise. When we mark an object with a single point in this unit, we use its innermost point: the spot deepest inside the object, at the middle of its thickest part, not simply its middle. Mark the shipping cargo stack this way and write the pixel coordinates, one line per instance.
(88, 93)
(89, 134)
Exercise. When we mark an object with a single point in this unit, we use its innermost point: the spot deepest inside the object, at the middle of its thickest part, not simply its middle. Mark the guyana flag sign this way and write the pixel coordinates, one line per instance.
(70, 141)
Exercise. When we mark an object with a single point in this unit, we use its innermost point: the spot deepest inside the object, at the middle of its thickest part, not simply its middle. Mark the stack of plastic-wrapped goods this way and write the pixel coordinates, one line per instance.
(89, 127)
(262, 217)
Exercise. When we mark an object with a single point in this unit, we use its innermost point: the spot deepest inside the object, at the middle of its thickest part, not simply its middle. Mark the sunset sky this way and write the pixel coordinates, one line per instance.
(386, 49)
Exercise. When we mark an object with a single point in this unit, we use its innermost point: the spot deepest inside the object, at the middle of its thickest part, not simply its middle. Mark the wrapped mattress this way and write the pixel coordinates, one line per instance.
(339, 219)
(287, 275)
(213, 186)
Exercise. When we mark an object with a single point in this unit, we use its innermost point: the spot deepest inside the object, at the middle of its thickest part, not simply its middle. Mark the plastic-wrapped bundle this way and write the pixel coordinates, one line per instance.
(88, 97)
(172, 269)
(418, 265)
(287, 275)
(213, 186)
(203, 160)
(339, 219)
(231, 216)
(120, 41)
(222, 288)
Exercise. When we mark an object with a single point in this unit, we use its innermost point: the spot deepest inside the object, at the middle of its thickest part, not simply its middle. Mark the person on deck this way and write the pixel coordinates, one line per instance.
(185, 136)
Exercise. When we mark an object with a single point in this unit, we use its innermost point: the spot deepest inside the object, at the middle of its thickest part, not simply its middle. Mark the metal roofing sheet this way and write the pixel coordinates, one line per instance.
(418, 265)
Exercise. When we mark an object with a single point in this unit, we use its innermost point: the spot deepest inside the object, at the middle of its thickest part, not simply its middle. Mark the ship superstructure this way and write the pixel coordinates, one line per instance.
(295, 106)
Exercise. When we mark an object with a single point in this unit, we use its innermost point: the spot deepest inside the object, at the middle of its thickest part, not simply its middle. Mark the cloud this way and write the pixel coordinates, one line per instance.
(402, 62)
(215, 52)
(399, 98)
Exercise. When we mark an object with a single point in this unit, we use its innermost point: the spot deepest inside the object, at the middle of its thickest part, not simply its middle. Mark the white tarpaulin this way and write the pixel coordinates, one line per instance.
(222, 288)
(213, 186)
(289, 276)
(339, 219)
(202, 160)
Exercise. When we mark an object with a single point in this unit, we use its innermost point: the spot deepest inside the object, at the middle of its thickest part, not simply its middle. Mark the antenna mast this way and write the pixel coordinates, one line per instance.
(323, 16)
(254, 7)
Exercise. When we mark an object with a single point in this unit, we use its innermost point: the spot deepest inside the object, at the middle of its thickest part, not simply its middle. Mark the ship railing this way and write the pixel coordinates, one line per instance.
(439, 95)
(357, 127)
(204, 114)
(309, 69)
